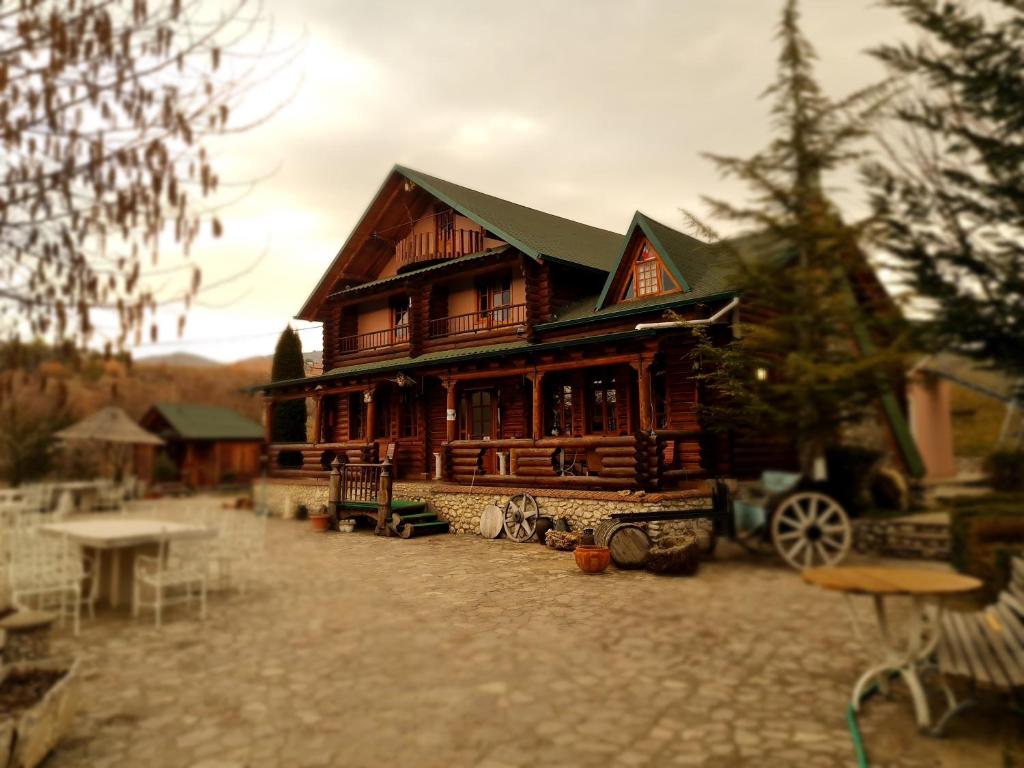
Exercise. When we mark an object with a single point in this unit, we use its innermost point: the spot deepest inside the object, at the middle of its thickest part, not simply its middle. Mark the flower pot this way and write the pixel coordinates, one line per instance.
(319, 522)
(346, 526)
(592, 559)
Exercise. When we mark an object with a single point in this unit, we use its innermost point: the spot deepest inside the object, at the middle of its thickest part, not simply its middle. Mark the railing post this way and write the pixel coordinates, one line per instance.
(384, 499)
(334, 487)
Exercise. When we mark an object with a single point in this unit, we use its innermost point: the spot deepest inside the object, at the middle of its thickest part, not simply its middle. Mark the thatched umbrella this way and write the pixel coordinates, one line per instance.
(115, 429)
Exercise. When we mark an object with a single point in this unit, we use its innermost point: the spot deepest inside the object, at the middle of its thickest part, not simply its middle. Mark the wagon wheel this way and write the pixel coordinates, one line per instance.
(811, 529)
(520, 517)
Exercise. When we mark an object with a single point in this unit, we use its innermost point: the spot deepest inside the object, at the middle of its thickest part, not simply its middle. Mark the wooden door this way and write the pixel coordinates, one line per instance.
(481, 421)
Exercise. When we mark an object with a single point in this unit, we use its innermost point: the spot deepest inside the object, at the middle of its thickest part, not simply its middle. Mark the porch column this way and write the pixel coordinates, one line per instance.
(371, 414)
(538, 405)
(318, 418)
(643, 369)
(451, 414)
(268, 420)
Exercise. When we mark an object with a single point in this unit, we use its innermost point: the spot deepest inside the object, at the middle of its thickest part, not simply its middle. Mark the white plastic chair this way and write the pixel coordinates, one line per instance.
(173, 577)
(238, 551)
(48, 572)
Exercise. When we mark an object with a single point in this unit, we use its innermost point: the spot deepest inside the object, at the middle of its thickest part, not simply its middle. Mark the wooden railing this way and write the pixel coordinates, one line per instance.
(359, 482)
(612, 462)
(477, 322)
(430, 246)
(313, 460)
(389, 337)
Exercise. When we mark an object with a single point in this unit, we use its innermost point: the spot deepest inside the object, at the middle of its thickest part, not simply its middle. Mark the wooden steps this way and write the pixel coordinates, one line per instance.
(413, 519)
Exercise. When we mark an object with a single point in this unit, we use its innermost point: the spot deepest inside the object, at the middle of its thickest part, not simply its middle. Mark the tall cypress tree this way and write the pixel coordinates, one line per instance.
(288, 424)
(817, 350)
(951, 199)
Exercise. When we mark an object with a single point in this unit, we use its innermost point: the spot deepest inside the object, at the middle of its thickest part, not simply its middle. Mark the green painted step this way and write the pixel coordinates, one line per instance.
(419, 517)
(412, 530)
(396, 506)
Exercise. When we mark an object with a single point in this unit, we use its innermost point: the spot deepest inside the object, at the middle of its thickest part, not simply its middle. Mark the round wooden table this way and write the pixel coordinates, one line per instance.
(926, 589)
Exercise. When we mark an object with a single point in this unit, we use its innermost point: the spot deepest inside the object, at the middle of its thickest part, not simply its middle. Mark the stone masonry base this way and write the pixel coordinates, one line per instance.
(461, 506)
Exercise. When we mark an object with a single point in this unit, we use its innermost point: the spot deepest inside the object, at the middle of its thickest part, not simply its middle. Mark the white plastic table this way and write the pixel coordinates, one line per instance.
(116, 542)
(926, 588)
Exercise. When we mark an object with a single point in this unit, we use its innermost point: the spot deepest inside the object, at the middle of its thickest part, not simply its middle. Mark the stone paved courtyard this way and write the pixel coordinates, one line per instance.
(455, 651)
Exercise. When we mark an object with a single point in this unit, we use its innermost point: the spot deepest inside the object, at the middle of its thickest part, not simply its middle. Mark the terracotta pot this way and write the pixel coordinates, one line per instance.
(591, 559)
(319, 522)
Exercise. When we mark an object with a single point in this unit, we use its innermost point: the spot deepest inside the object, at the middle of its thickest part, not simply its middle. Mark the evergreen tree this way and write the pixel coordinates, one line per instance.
(818, 344)
(951, 201)
(288, 424)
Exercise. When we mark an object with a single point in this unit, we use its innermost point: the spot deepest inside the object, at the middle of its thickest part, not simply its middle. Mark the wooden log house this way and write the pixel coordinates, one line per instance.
(505, 341)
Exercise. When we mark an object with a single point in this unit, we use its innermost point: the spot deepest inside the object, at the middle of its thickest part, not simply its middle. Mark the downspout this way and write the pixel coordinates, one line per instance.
(690, 323)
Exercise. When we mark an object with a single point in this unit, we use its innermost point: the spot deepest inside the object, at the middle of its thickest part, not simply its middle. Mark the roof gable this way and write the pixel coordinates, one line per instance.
(537, 234)
(202, 422)
(686, 258)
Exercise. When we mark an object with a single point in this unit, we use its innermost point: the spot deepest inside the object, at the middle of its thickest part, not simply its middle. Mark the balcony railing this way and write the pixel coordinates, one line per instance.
(477, 322)
(375, 339)
(431, 246)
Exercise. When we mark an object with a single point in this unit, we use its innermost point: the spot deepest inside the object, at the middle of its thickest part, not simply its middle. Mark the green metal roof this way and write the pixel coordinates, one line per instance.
(534, 232)
(374, 284)
(207, 422)
(704, 268)
(582, 312)
(451, 355)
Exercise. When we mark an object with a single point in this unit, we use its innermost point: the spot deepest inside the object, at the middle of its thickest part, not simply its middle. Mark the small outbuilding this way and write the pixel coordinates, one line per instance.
(208, 444)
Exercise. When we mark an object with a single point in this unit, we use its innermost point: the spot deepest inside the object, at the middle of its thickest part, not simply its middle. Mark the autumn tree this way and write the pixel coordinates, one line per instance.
(107, 112)
(816, 351)
(288, 424)
(950, 197)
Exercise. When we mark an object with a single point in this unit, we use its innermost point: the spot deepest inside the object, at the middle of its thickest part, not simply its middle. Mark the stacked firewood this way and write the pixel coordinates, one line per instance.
(564, 541)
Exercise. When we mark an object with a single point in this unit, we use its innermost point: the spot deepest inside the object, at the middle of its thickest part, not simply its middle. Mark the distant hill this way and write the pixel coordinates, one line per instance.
(178, 359)
(263, 363)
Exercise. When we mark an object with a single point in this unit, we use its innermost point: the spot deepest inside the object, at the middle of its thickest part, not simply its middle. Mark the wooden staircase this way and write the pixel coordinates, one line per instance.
(412, 519)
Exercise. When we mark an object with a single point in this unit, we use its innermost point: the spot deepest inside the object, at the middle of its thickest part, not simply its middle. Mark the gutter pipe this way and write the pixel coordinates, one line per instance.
(690, 323)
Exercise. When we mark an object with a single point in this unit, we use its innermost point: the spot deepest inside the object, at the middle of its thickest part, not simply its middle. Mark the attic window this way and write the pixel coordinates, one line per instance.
(648, 276)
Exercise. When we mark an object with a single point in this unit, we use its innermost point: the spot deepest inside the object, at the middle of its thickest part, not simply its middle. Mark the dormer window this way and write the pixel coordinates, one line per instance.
(648, 276)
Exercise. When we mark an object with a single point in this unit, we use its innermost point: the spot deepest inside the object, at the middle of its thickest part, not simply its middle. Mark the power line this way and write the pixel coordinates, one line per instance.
(221, 339)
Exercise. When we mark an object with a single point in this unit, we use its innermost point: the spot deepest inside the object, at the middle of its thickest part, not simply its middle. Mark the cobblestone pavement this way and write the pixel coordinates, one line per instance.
(454, 651)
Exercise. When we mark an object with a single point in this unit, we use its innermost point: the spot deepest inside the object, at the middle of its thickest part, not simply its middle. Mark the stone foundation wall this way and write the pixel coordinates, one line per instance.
(461, 507)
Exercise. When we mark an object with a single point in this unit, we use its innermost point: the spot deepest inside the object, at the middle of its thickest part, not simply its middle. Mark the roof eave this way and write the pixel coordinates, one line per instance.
(682, 301)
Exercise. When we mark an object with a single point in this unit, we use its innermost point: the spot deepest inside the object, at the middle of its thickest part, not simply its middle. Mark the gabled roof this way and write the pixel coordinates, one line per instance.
(538, 234)
(204, 422)
(533, 232)
(693, 263)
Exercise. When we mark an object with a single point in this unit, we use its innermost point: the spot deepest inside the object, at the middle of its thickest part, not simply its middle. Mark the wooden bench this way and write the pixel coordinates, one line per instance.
(986, 648)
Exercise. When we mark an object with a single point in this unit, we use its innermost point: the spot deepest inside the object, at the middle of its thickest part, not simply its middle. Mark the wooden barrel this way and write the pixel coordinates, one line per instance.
(628, 542)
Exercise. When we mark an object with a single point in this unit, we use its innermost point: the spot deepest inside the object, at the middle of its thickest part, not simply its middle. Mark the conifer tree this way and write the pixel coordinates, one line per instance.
(288, 424)
(951, 199)
(818, 344)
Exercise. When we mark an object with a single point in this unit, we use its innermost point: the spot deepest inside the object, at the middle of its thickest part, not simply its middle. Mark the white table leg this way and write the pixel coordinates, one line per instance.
(903, 662)
(115, 578)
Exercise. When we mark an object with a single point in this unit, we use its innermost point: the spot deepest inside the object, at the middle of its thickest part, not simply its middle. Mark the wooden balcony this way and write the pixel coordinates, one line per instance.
(424, 247)
(477, 322)
(363, 342)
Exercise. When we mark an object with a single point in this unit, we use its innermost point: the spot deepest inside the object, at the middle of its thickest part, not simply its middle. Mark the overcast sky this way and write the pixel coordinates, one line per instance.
(590, 109)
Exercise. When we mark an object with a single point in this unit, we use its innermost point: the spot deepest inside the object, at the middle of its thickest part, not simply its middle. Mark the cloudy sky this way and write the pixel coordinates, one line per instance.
(590, 109)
